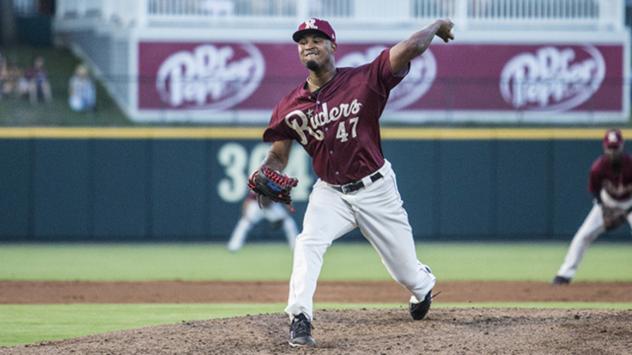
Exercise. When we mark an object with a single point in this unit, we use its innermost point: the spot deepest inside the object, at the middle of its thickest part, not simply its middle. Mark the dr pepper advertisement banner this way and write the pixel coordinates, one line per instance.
(210, 81)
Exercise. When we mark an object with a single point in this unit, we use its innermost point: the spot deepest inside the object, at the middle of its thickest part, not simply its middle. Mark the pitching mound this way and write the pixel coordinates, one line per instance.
(373, 332)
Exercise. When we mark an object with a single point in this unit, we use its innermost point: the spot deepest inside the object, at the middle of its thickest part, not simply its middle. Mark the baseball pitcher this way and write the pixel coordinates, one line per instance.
(334, 114)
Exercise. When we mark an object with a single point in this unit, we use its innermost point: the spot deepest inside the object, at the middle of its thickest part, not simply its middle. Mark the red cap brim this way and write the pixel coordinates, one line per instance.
(299, 34)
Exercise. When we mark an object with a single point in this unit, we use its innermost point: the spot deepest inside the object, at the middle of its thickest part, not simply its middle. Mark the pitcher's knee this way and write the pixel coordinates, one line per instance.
(310, 241)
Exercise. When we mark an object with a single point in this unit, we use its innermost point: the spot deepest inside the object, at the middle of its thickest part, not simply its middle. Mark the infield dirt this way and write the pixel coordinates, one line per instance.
(387, 331)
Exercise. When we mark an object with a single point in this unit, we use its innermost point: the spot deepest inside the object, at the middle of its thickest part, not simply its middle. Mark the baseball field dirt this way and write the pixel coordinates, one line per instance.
(387, 331)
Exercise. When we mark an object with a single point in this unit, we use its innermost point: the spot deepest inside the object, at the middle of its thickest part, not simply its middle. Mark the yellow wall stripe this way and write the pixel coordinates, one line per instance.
(496, 133)
(133, 133)
(401, 133)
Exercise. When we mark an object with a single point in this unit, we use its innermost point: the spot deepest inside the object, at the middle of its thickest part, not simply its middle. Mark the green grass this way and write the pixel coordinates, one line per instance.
(525, 262)
(60, 65)
(343, 261)
(24, 324)
(20, 324)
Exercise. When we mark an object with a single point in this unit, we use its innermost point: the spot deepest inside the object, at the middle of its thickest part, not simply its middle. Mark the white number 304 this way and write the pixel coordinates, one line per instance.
(342, 131)
(238, 164)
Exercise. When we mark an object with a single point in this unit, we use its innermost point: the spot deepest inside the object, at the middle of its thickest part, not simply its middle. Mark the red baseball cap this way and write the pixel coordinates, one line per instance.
(613, 139)
(315, 25)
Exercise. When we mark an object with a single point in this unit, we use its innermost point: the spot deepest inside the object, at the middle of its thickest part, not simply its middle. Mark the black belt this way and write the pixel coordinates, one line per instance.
(356, 185)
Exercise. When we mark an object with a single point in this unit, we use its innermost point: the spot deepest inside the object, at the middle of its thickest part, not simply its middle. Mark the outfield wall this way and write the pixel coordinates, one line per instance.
(188, 184)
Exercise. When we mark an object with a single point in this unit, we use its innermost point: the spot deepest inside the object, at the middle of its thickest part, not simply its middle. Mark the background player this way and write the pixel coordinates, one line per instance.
(335, 115)
(252, 213)
(611, 185)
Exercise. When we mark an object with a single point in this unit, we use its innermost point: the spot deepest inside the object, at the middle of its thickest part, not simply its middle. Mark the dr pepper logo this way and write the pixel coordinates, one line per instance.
(552, 78)
(210, 77)
(417, 82)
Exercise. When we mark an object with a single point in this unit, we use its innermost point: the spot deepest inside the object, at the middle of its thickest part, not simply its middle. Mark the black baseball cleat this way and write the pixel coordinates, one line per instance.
(561, 280)
(301, 332)
(418, 310)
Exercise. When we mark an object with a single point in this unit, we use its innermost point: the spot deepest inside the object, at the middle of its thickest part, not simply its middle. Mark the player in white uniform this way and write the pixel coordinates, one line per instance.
(611, 185)
(334, 115)
(252, 214)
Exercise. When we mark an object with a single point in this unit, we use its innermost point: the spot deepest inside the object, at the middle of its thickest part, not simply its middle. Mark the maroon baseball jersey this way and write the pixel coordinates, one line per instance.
(603, 174)
(338, 125)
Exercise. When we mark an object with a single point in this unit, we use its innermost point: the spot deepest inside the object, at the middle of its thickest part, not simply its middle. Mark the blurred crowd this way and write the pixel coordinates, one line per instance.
(32, 84)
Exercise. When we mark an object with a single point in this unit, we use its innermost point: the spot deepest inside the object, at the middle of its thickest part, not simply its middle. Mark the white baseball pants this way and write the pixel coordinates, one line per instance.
(379, 213)
(589, 231)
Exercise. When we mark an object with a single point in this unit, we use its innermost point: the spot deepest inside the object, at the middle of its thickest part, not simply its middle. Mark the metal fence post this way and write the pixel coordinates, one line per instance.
(302, 10)
(611, 14)
(141, 13)
(460, 14)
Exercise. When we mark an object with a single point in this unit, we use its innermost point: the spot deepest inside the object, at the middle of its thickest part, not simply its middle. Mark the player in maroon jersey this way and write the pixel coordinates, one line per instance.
(334, 114)
(611, 185)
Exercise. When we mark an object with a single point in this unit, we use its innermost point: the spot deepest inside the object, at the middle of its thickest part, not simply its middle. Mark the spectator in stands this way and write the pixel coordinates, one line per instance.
(13, 82)
(81, 91)
(39, 87)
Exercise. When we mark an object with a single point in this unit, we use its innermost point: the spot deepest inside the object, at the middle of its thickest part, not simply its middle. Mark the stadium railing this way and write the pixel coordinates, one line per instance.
(473, 14)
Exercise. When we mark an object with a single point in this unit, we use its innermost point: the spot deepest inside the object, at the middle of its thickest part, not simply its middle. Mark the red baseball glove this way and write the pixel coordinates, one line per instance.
(271, 184)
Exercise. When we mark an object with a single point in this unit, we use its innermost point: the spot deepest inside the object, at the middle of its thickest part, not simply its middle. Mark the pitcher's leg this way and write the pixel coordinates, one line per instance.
(587, 233)
(384, 222)
(327, 217)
